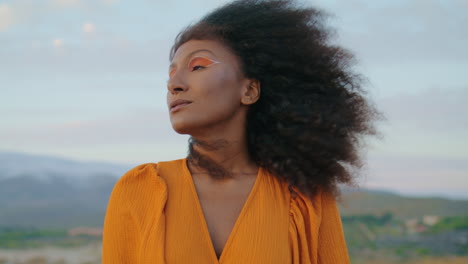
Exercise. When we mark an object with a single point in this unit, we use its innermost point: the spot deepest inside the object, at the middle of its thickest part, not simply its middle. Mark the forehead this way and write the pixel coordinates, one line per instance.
(215, 48)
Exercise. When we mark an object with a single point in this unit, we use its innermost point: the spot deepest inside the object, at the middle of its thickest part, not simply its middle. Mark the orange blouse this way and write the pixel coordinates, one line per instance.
(154, 216)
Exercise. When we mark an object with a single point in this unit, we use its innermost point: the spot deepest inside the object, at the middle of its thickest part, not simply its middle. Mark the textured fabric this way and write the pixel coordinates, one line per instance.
(154, 216)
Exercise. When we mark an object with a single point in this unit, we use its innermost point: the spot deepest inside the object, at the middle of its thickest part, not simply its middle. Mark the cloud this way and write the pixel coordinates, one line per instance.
(400, 40)
(139, 126)
(417, 174)
(58, 43)
(383, 32)
(101, 56)
(110, 2)
(89, 28)
(66, 3)
(136, 136)
(6, 17)
(430, 122)
(462, 4)
(435, 110)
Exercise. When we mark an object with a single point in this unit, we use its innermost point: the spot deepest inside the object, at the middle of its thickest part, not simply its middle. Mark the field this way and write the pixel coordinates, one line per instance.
(90, 254)
(87, 254)
(372, 239)
(379, 228)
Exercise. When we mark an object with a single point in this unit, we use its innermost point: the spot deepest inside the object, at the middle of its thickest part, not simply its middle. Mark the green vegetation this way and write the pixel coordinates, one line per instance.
(379, 229)
(20, 238)
(449, 224)
(369, 219)
(374, 203)
(387, 237)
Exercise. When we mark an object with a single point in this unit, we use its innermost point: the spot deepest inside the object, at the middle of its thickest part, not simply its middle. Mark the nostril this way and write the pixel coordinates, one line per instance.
(178, 89)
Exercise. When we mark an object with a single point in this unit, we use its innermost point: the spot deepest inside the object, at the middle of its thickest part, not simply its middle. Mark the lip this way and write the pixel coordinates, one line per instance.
(178, 104)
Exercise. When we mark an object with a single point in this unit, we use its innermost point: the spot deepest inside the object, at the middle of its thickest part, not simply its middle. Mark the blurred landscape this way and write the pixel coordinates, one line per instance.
(87, 80)
(52, 211)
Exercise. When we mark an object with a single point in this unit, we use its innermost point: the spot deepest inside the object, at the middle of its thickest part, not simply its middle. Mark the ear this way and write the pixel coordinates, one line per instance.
(250, 92)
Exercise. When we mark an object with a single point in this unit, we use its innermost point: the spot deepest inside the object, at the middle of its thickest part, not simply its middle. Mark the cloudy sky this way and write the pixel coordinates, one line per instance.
(86, 79)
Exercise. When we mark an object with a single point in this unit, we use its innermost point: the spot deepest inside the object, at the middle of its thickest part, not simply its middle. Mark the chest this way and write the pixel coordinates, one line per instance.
(221, 208)
(221, 226)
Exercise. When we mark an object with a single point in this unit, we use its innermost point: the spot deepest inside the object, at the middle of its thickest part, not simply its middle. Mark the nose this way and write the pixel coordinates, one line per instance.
(176, 85)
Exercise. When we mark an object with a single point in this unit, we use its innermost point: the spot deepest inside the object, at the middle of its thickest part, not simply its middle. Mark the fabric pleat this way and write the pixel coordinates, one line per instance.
(154, 216)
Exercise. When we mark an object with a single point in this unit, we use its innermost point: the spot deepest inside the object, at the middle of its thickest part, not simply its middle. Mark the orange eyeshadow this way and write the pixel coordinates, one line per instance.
(200, 61)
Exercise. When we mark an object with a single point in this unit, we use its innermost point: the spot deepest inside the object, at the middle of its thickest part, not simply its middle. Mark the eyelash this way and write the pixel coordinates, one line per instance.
(196, 67)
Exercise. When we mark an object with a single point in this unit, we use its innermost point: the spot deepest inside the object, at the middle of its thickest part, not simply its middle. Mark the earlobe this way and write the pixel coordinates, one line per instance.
(251, 92)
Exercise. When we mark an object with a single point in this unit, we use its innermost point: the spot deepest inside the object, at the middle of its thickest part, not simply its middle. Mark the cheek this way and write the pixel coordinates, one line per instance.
(216, 98)
(222, 87)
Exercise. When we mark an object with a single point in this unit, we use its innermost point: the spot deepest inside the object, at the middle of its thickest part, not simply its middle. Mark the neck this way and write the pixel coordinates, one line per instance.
(220, 158)
(220, 151)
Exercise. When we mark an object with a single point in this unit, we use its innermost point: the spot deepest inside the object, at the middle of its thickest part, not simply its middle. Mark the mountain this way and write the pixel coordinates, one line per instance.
(14, 164)
(381, 202)
(46, 192)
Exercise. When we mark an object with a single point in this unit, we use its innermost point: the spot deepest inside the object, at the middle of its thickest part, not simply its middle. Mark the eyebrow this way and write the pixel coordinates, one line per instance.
(191, 54)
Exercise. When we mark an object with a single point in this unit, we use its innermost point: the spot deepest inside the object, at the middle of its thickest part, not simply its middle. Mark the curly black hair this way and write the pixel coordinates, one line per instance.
(308, 125)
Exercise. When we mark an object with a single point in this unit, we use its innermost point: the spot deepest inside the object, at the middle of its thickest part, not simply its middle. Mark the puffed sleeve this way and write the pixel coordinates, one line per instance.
(120, 235)
(134, 205)
(331, 241)
(315, 231)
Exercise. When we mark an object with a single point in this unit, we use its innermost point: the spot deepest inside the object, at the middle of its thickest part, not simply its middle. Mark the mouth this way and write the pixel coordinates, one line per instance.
(178, 104)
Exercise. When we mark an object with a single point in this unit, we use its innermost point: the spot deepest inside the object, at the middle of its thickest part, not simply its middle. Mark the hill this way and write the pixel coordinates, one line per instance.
(379, 203)
(48, 192)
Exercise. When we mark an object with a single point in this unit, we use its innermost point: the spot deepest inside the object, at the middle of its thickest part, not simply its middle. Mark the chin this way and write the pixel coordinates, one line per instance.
(192, 124)
(181, 128)
(181, 131)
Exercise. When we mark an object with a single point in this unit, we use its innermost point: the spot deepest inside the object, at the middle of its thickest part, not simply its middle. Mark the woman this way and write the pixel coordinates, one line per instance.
(275, 117)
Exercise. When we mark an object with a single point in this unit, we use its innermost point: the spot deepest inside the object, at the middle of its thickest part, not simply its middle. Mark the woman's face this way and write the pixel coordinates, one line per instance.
(205, 87)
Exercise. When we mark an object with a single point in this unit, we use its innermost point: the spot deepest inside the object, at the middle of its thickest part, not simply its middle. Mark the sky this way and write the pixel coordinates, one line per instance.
(86, 80)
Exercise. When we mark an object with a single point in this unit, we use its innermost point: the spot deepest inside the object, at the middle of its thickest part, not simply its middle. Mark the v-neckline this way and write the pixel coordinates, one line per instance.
(201, 214)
